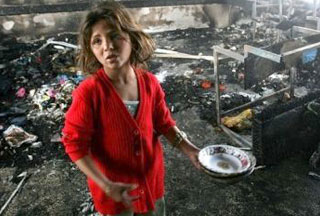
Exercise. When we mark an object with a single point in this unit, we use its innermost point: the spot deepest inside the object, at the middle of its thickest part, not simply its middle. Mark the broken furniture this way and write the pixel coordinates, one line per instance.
(295, 14)
(267, 61)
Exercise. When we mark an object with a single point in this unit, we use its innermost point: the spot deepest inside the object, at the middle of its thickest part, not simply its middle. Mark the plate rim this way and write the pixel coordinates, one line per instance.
(217, 173)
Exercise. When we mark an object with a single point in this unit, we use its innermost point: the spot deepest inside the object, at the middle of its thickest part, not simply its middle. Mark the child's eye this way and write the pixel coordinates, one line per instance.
(96, 41)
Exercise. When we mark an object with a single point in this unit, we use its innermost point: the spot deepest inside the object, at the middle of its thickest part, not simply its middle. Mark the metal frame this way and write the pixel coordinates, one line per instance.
(314, 14)
(263, 4)
(278, 58)
(303, 30)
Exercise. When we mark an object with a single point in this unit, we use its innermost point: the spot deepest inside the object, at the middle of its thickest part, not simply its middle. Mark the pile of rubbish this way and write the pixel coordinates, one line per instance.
(35, 93)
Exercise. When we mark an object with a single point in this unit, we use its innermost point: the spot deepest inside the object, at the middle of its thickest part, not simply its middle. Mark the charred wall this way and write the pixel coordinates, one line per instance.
(32, 26)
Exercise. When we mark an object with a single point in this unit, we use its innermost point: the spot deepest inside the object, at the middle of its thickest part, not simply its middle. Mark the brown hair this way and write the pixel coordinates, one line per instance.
(119, 18)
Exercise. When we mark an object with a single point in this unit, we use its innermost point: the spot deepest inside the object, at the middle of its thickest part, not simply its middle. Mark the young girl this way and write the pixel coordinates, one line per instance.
(113, 125)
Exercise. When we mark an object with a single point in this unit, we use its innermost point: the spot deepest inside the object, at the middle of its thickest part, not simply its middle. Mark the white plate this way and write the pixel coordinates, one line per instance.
(224, 160)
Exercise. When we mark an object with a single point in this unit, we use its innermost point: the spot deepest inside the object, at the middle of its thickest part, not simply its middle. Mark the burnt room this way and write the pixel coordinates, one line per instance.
(216, 107)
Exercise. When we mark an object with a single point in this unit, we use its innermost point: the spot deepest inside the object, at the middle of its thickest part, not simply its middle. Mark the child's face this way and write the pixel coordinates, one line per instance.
(111, 48)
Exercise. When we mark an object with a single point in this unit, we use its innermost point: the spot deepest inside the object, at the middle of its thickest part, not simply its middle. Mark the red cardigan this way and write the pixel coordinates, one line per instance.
(125, 148)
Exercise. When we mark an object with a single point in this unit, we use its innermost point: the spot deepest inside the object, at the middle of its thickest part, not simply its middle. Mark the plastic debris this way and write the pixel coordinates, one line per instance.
(240, 122)
(309, 55)
(222, 87)
(21, 92)
(206, 84)
(62, 79)
(15, 136)
(56, 138)
(314, 175)
(36, 145)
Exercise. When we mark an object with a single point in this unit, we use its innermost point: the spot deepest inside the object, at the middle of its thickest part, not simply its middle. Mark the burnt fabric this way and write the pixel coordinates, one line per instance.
(125, 148)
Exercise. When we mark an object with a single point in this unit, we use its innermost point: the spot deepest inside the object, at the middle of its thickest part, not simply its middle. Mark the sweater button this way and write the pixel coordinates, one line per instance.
(138, 152)
(136, 132)
(142, 191)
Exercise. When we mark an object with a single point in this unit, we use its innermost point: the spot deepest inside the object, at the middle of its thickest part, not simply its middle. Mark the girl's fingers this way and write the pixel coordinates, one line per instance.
(129, 187)
(127, 199)
(133, 186)
(134, 198)
(196, 162)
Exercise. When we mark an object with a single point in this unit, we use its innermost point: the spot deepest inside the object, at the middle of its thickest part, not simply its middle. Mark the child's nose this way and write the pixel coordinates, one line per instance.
(108, 45)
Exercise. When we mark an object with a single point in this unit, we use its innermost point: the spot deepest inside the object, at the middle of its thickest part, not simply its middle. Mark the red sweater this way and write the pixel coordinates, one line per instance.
(125, 148)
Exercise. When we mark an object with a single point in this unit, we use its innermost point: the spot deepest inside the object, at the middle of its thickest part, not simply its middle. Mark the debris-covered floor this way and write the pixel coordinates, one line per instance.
(35, 91)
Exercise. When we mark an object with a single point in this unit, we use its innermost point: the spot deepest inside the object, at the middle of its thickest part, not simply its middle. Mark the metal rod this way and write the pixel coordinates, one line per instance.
(263, 53)
(216, 73)
(184, 56)
(281, 10)
(238, 139)
(24, 175)
(314, 8)
(279, 32)
(301, 49)
(254, 9)
(247, 105)
(229, 53)
(305, 30)
(254, 16)
(292, 75)
(267, 5)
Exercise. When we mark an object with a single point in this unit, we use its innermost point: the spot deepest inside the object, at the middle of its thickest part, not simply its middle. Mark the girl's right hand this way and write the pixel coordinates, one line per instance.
(119, 193)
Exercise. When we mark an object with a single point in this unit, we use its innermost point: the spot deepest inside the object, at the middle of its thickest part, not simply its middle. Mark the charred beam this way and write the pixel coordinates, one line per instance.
(9, 10)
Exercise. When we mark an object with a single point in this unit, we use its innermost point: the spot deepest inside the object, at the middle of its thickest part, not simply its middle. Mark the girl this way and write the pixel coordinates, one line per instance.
(117, 114)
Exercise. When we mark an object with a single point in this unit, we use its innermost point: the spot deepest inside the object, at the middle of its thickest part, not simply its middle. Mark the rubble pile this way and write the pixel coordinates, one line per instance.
(35, 93)
(234, 37)
(309, 75)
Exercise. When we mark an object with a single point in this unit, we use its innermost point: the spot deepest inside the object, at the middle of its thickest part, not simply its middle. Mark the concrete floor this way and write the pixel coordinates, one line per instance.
(281, 190)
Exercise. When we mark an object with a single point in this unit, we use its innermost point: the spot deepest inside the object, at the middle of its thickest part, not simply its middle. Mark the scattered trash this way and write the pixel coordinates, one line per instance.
(314, 107)
(309, 55)
(260, 167)
(15, 136)
(314, 175)
(19, 121)
(21, 92)
(239, 122)
(56, 138)
(62, 79)
(222, 87)
(193, 102)
(198, 70)
(36, 145)
(206, 84)
(241, 76)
